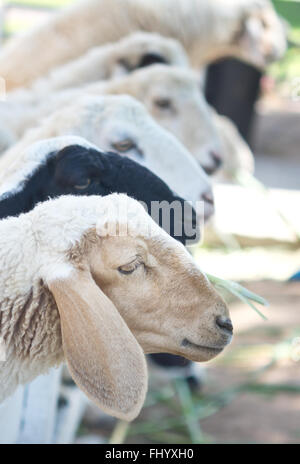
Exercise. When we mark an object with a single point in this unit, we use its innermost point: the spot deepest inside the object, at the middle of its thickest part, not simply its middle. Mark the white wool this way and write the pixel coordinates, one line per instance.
(108, 61)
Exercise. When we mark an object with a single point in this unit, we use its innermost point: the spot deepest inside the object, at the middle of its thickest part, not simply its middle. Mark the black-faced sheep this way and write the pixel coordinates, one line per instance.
(70, 165)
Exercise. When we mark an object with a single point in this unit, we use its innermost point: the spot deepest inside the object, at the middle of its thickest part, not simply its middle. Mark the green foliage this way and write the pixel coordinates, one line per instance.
(289, 67)
(40, 3)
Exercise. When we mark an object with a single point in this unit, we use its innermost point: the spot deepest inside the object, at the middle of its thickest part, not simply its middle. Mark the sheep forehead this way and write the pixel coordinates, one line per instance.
(164, 72)
(173, 257)
(120, 116)
(125, 107)
(73, 216)
(112, 105)
(148, 39)
(172, 80)
(156, 251)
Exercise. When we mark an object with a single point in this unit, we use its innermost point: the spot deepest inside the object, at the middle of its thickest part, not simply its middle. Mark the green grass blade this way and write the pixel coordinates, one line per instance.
(240, 292)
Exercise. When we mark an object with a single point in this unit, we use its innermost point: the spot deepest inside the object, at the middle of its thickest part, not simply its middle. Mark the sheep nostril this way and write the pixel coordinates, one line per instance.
(217, 160)
(208, 197)
(224, 324)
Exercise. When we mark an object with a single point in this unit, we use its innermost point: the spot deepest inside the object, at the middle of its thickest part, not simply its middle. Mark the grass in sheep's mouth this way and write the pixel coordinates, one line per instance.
(239, 292)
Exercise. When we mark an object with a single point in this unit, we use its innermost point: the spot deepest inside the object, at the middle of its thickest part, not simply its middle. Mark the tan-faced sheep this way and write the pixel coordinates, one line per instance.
(249, 29)
(171, 95)
(70, 269)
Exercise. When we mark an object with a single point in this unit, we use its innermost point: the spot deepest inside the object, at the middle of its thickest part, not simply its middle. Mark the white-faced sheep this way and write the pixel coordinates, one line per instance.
(138, 50)
(69, 273)
(171, 95)
(121, 124)
(249, 29)
(70, 165)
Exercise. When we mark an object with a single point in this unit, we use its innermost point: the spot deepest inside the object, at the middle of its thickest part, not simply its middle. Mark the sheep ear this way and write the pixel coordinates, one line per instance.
(103, 356)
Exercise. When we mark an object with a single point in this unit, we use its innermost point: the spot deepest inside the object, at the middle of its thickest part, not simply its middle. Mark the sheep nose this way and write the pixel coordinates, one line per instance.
(208, 197)
(224, 324)
(217, 160)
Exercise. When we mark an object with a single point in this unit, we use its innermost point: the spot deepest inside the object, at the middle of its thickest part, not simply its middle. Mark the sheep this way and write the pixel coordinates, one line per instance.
(138, 50)
(49, 174)
(246, 29)
(70, 270)
(121, 124)
(171, 95)
(80, 169)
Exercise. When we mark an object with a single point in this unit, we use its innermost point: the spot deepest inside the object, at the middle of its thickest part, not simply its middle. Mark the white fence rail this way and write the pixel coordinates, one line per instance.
(34, 414)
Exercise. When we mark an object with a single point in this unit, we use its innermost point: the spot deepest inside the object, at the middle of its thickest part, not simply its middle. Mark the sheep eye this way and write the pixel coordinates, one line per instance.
(83, 185)
(123, 146)
(264, 23)
(163, 103)
(129, 268)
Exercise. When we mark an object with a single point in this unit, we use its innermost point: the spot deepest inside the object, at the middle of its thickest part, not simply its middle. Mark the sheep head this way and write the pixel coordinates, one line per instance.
(122, 288)
(173, 97)
(261, 38)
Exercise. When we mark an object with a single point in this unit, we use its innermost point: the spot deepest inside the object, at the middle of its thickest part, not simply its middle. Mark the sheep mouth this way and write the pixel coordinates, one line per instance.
(209, 170)
(216, 349)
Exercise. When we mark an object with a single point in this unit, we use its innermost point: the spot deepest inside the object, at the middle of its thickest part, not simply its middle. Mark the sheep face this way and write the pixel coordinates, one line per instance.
(262, 37)
(166, 301)
(173, 97)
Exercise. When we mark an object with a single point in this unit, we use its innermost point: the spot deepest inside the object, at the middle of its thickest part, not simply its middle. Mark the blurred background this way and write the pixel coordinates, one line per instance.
(251, 393)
